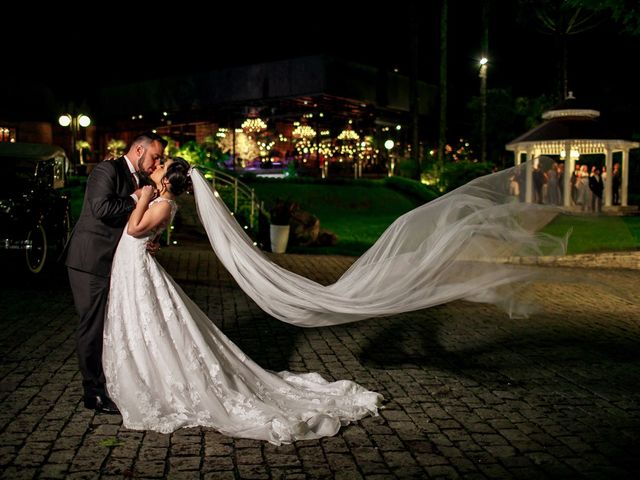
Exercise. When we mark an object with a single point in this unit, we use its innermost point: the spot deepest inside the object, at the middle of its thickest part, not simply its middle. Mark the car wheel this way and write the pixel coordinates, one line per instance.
(65, 231)
(36, 256)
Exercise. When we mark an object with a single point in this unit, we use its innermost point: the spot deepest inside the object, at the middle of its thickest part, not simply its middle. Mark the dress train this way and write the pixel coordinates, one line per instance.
(168, 366)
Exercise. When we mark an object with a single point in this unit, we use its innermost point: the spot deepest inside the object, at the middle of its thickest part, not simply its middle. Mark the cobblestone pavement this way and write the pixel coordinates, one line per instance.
(469, 392)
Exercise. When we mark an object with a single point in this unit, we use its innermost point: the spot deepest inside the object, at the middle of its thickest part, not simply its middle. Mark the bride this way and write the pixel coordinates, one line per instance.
(168, 366)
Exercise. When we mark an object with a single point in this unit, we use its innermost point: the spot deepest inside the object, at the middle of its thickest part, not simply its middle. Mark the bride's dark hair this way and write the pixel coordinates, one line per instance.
(178, 175)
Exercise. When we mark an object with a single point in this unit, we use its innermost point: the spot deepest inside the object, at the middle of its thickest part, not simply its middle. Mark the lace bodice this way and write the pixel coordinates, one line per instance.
(163, 226)
(156, 232)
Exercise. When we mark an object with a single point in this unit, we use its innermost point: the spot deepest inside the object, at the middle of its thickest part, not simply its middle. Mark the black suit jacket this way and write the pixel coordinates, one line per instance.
(596, 185)
(105, 211)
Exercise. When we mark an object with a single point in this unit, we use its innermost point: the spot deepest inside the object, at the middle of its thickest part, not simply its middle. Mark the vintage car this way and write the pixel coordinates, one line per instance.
(35, 221)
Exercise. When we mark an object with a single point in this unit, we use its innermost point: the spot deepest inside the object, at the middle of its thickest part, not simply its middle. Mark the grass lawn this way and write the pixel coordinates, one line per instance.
(598, 233)
(359, 214)
(74, 191)
(356, 214)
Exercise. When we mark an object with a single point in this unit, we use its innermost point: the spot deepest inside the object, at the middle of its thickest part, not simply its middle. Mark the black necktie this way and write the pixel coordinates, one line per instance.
(134, 177)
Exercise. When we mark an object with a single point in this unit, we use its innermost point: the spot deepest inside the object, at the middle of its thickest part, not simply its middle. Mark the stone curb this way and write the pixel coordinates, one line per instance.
(630, 260)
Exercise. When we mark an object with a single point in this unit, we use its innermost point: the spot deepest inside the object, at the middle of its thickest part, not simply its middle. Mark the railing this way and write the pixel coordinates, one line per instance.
(240, 190)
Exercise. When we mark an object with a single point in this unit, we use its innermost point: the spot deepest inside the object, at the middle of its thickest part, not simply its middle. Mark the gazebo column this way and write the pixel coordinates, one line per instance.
(608, 190)
(517, 158)
(528, 191)
(569, 166)
(625, 177)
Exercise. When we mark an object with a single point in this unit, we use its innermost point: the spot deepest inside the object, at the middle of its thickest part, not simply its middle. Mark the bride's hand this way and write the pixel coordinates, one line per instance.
(148, 193)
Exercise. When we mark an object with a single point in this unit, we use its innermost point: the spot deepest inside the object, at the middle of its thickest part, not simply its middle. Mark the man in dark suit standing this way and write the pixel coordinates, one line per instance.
(111, 195)
(596, 185)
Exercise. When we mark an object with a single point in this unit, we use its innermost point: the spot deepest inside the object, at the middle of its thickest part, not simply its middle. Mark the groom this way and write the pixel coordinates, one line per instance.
(111, 195)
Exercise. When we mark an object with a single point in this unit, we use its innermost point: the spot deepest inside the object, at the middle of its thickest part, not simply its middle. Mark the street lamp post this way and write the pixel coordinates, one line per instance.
(389, 144)
(74, 122)
(483, 108)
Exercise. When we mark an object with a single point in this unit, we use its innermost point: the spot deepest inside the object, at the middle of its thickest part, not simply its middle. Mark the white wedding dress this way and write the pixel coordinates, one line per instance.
(168, 366)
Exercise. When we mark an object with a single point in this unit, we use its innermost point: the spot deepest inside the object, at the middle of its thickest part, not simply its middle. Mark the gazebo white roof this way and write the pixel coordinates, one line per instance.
(578, 131)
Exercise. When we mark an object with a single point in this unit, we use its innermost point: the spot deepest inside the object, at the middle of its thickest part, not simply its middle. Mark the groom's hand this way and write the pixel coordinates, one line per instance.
(153, 246)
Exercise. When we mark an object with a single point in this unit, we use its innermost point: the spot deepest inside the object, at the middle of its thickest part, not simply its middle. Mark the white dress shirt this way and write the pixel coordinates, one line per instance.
(134, 174)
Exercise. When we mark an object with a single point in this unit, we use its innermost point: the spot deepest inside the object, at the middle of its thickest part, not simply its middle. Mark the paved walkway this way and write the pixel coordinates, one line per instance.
(469, 392)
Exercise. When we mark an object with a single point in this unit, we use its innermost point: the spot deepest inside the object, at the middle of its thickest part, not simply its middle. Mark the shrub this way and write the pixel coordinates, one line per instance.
(455, 175)
(416, 190)
(408, 168)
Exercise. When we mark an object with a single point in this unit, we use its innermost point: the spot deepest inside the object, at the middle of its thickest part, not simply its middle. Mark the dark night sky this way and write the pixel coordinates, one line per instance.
(117, 47)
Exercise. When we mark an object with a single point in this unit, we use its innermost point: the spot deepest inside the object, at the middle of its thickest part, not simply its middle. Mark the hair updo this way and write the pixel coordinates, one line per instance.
(177, 175)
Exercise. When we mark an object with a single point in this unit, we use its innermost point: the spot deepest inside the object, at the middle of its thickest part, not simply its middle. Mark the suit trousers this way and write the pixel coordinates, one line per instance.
(90, 294)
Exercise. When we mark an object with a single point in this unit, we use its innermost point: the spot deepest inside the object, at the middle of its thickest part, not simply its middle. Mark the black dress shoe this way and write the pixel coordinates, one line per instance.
(100, 403)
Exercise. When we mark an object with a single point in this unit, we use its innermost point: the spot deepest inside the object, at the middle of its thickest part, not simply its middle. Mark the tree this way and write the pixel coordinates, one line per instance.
(624, 12)
(116, 148)
(414, 100)
(246, 147)
(483, 78)
(442, 131)
(82, 146)
(508, 118)
(561, 19)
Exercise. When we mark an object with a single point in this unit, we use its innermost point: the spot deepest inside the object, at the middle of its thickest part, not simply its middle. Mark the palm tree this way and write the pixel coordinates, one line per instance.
(562, 20)
(624, 12)
(413, 89)
(442, 130)
(483, 78)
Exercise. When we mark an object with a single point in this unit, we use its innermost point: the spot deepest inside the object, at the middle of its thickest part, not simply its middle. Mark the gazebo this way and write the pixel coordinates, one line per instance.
(569, 132)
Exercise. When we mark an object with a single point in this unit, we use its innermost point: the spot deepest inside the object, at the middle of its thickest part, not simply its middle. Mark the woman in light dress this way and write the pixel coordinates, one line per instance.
(168, 366)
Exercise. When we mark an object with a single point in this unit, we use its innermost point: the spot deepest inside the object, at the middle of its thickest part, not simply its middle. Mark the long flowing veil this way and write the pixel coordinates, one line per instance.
(448, 249)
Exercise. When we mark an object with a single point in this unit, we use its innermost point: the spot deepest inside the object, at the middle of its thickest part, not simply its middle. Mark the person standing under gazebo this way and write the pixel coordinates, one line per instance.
(553, 188)
(596, 185)
(583, 194)
(616, 181)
